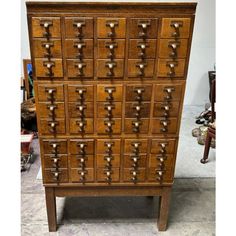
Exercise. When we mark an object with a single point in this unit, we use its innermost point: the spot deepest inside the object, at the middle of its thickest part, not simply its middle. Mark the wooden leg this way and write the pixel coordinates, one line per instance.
(164, 209)
(207, 149)
(51, 209)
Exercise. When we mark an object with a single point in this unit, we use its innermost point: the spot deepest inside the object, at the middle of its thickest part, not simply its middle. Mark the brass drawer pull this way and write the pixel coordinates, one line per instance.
(176, 25)
(81, 108)
(49, 65)
(79, 24)
(52, 125)
(112, 25)
(142, 46)
(141, 66)
(143, 24)
(81, 124)
(173, 45)
(80, 66)
(110, 91)
(136, 125)
(47, 46)
(172, 66)
(169, 91)
(81, 92)
(111, 65)
(166, 107)
(109, 124)
(139, 92)
(46, 24)
(164, 123)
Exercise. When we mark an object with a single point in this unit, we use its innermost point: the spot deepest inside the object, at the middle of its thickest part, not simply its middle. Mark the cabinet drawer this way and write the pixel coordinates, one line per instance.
(79, 127)
(170, 48)
(131, 109)
(50, 92)
(102, 175)
(77, 49)
(75, 92)
(103, 126)
(130, 126)
(45, 68)
(160, 146)
(135, 68)
(130, 174)
(55, 176)
(143, 28)
(78, 69)
(52, 145)
(160, 161)
(52, 162)
(74, 146)
(162, 126)
(47, 126)
(175, 27)
(111, 27)
(102, 145)
(79, 27)
(105, 47)
(46, 110)
(115, 91)
(134, 92)
(129, 163)
(43, 48)
(168, 68)
(166, 109)
(103, 70)
(103, 163)
(142, 145)
(103, 108)
(46, 27)
(77, 161)
(139, 49)
(74, 109)
(153, 175)
(79, 175)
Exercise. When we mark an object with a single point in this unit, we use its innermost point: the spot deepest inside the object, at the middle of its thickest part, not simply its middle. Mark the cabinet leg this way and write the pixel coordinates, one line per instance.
(164, 209)
(51, 209)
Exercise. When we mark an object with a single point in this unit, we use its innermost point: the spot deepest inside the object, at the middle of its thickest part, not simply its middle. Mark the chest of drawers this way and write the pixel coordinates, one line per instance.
(109, 88)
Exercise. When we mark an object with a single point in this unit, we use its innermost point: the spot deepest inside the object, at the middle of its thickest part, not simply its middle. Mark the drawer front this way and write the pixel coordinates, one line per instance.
(76, 148)
(130, 175)
(138, 92)
(166, 109)
(159, 176)
(76, 92)
(161, 162)
(103, 70)
(111, 27)
(103, 109)
(168, 68)
(50, 127)
(52, 146)
(44, 48)
(47, 110)
(103, 144)
(129, 162)
(105, 126)
(81, 127)
(79, 161)
(55, 176)
(137, 68)
(132, 108)
(50, 92)
(131, 128)
(103, 175)
(175, 27)
(162, 146)
(139, 48)
(170, 48)
(82, 176)
(143, 28)
(79, 27)
(102, 162)
(78, 69)
(52, 162)
(108, 92)
(45, 68)
(74, 110)
(165, 126)
(142, 145)
(105, 46)
(48, 27)
(79, 49)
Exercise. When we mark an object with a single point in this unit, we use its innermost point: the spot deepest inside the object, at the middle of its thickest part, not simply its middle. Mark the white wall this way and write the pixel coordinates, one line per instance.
(202, 54)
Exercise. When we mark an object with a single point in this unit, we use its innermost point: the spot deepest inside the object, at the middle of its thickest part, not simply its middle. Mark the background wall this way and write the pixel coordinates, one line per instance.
(202, 53)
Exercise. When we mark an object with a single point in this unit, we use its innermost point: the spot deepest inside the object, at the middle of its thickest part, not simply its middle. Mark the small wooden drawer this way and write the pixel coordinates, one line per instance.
(102, 145)
(129, 174)
(115, 91)
(166, 109)
(79, 49)
(75, 111)
(161, 162)
(143, 28)
(131, 108)
(129, 126)
(45, 48)
(142, 145)
(129, 162)
(140, 49)
(175, 27)
(170, 127)
(75, 92)
(46, 126)
(135, 68)
(60, 161)
(103, 124)
(48, 27)
(45, 68)
(82, 176)
(104, 107)
(102, 175)
(133, 92)
(48, 146)
(79, 27)
(50, 92)
(103, 70)
(106, 48)
(55, 176)
(159, 146)
(78, 69)
(153, 176)
(77, 161)
(170, 48)
(168, 92)
(74, 146)
(103, 163)
(47, 110)
(169, 68)
(75, 126)
(111, 27)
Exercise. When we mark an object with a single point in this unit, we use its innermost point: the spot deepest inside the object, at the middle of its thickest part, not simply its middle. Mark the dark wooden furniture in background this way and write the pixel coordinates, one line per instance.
(109, 87)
